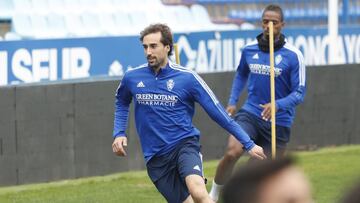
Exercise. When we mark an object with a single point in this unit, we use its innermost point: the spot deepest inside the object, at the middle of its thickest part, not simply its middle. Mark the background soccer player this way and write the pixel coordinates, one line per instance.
(164, 97)
(254, 116)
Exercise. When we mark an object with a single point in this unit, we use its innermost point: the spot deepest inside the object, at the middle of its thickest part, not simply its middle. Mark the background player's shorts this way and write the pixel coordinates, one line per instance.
(260, 131)
(168, 171)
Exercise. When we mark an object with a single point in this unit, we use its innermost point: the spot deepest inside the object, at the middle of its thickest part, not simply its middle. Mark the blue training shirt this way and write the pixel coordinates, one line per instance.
(290, 75)
(164, 107)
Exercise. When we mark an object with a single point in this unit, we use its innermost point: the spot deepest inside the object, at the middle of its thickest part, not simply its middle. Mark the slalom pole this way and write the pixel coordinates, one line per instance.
(272, 91)
(177, 56)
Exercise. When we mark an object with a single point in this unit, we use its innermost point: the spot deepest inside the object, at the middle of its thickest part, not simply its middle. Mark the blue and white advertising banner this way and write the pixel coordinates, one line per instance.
(61, 59)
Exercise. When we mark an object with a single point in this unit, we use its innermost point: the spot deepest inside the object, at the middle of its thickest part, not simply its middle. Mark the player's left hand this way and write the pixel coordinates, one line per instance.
(266, 113)
(257, 152)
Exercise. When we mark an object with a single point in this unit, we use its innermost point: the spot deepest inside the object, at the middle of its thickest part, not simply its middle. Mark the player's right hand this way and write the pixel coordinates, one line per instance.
(231, 109)
(118, 146)
(257, 152)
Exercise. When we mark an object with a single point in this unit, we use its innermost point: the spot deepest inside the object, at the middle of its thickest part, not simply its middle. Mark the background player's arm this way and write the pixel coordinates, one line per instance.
(298, 87)
(297, 79)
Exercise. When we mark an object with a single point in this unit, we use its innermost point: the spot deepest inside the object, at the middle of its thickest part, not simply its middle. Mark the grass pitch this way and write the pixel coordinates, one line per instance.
(331, 172)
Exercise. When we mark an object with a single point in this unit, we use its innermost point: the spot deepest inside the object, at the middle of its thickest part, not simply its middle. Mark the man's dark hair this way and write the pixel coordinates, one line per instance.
(244, 185)
(275, 8)
(166, 35)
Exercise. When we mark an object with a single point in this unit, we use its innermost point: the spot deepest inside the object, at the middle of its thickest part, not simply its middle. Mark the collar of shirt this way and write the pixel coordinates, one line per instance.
(163, 71)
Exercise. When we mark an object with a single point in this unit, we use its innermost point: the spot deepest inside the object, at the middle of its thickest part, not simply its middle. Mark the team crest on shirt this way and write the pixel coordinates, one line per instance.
(278, 59)
(170, 84)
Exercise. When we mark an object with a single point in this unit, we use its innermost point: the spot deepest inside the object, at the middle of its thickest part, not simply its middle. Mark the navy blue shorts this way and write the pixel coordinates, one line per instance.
(168, 171)
(260, 132)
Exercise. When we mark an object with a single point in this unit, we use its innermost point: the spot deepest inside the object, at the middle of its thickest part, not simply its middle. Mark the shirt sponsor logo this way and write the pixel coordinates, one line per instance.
(156, 99)
(263, 69)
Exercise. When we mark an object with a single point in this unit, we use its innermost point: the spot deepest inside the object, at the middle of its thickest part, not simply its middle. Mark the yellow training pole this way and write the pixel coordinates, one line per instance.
(272, 90)
(177, 57)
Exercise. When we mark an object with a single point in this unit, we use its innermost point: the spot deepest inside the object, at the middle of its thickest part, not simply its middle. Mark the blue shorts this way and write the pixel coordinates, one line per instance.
(168, 171)
(260, 132)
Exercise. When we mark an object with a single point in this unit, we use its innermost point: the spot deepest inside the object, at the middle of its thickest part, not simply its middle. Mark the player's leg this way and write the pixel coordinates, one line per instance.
(232, 154)
(225, 167)
(189, 199)
(197, 189)
(163, 172)
(282, 138)
(190, 168)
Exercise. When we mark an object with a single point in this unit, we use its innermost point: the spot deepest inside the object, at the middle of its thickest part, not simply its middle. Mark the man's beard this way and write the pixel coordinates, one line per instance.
(266, 36)
(155, 64)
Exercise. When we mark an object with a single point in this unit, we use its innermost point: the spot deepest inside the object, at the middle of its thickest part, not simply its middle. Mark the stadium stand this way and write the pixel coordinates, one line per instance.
(6, 8)
(297, 13)
(12, 36)
(42, 19)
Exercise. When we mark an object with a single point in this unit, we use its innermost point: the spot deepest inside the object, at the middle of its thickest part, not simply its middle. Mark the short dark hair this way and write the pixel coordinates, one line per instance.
(166, 35)
(245, 183)
(275, 8)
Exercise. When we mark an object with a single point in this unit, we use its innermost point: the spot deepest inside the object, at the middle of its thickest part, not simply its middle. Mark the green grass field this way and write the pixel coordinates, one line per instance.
(331, 172)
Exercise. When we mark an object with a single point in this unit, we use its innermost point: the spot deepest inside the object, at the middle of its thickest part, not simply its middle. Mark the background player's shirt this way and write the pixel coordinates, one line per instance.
(290, 78)
(164, 107)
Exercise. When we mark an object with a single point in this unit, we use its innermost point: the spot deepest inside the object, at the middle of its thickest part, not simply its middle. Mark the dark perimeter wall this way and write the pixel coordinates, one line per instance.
(62, 131)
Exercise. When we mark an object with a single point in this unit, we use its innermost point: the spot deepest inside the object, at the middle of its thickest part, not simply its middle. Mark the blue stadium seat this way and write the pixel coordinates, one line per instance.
(246, 15)
(354, 11)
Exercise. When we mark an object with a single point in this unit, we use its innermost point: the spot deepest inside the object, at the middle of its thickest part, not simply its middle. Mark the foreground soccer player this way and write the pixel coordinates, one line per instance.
(254, 116)
(269, 181)
(164, 97)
